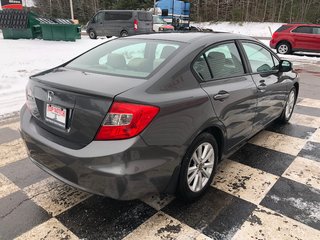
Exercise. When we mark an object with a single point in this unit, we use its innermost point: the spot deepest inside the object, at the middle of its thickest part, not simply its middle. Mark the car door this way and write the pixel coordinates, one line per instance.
(231, 90)
(272, 89)
(111, 24)
(303, 38)
(98, 24)
(316, 42)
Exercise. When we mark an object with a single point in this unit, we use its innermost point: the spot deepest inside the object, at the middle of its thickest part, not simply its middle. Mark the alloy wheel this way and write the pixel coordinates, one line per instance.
(283, 49)
(290, 104)
(200, 167)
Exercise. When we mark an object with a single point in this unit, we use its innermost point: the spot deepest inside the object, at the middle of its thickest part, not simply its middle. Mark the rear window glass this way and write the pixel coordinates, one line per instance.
(282, 28)
(126, 57)
(118, 15)
(144, 16)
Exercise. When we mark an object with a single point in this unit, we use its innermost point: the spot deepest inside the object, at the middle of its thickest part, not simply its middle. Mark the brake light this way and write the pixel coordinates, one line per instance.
(275, 35)
(135, 24)
(126, 120)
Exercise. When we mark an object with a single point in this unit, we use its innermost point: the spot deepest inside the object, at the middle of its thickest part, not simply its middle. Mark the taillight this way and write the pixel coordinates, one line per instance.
(126, 120)
(274, 35)
(135, 24)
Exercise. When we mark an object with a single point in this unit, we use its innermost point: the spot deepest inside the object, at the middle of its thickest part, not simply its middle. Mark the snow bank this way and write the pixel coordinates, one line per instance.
(21, 58)
(254, 29)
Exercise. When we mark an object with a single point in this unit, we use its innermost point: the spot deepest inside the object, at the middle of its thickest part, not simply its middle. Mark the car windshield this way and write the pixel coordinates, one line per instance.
(158, 20)
(126, 57)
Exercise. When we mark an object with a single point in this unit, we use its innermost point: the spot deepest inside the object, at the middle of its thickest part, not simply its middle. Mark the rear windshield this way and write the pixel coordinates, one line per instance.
(282, 28)
(126, 57)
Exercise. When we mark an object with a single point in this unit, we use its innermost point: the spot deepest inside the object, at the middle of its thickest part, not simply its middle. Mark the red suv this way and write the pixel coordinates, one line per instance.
(296, 37)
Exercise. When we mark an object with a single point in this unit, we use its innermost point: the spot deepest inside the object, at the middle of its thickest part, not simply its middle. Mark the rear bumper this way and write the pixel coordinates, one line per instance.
(126, 169)
(273, 43)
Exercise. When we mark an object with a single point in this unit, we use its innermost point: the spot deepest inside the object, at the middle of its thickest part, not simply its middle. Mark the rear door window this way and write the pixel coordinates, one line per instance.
(260, 59)
(316, 30)
(223, 61)
(303, 29)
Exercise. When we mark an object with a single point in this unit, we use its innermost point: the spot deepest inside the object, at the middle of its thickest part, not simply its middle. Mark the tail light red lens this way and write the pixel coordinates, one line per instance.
(274, 35)
(135, 24)
(126, 120)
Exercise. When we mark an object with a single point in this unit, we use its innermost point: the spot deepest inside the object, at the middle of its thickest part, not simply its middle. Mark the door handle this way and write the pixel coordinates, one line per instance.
(221, 95)
(262, 86)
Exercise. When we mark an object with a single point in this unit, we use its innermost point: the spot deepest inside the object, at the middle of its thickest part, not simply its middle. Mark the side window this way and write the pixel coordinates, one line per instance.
(144, 16)
(316, 30)
(98, 18)
(221, 61)
(260, 58)
(200, 66)
(276, 62)
(303, 29)
(224, 61)
(118, 16)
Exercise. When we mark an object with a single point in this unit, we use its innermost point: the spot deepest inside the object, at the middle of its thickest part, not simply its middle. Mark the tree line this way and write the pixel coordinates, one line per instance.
(290, 11)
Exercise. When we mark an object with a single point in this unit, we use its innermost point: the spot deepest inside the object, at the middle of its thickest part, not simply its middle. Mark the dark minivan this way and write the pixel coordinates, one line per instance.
(119, 23)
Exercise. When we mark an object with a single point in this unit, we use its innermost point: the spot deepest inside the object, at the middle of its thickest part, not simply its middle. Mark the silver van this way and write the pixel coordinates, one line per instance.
(119, 23)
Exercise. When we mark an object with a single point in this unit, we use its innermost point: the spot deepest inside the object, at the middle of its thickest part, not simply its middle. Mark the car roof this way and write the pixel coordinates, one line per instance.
(302, 25)
(190, 37)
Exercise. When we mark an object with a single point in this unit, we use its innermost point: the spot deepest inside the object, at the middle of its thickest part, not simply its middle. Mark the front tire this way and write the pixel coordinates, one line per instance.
(284, 48)
(198, 167)
(92, 34)
(124, 33)
(289, 106)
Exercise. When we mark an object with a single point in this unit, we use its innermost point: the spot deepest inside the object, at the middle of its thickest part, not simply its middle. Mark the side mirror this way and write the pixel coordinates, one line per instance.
(285, 66)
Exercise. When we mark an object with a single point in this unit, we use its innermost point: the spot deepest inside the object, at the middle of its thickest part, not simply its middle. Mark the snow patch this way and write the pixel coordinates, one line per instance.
(312, 209)
(254, 29)
(22, 58)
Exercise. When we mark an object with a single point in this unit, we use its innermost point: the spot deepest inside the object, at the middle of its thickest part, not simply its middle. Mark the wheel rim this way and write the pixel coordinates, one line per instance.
(92, 34)
(200, 167)
(124, 34)
(290, 104)
(283, 48)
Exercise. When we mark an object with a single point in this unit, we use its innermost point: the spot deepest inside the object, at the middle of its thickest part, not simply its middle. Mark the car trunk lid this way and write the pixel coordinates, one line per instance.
(70, 105)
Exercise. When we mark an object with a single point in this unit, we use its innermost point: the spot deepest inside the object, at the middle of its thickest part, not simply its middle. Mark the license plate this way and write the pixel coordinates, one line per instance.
(56, 115)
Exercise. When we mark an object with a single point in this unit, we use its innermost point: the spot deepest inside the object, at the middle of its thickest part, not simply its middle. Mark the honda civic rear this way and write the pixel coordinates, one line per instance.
(80, 127)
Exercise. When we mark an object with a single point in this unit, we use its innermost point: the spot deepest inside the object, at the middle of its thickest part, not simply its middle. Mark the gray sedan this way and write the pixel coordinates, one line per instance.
(154, 113)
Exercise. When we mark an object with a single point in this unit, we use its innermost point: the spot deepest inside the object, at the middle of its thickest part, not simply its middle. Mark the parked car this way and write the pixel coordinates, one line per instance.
(154, 113)
(159, 25)
(296, 37)
(119, 23)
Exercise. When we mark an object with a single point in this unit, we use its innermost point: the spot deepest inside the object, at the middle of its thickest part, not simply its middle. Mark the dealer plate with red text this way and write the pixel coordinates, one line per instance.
(56, 115)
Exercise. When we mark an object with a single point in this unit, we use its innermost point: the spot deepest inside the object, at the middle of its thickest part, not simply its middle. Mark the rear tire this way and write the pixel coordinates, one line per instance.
(109, 36)
(284, 48)
(198, 167)
(289, 106)
(124, 33)
(92, 34)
